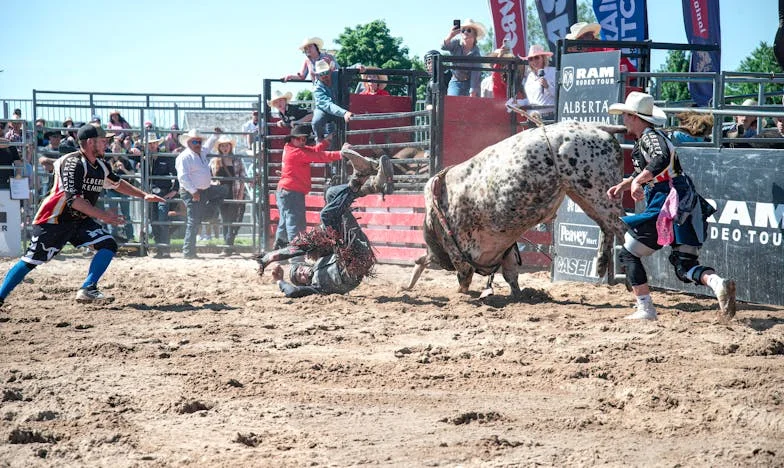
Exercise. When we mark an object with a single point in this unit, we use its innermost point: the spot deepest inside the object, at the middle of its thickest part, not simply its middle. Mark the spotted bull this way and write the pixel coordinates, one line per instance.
(477, 210)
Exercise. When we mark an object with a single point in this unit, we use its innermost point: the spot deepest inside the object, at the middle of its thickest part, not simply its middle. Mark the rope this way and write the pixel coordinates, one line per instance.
(392, 145)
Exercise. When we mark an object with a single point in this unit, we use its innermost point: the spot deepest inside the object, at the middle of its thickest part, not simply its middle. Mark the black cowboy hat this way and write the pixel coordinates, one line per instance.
(298, 131)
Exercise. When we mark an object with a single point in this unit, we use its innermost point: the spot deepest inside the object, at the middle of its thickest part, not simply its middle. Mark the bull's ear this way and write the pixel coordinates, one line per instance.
(612, 128)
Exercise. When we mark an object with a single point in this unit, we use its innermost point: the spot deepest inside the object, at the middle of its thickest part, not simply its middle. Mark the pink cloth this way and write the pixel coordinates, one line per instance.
(664, 222)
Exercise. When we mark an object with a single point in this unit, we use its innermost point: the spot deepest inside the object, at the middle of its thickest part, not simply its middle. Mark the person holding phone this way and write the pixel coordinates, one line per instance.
(462, 41)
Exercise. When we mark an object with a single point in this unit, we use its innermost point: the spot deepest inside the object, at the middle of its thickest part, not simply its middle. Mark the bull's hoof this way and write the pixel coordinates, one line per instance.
(486, 293)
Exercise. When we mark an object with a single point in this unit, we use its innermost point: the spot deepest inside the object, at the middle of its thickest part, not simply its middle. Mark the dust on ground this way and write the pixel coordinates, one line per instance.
(201, 363)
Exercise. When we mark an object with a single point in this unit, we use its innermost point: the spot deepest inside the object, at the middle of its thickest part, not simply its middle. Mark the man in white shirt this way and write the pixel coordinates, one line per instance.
(252, 126)
(196, 189)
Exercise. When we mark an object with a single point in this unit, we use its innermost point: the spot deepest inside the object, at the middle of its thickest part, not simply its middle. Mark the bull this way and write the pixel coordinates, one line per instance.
(478, 209)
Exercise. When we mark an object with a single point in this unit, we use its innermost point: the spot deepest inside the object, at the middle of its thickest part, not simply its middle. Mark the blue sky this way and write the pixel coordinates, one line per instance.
(183, 46)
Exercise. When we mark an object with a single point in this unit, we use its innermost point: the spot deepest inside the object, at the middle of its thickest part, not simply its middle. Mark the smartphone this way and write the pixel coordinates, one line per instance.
(456, 24)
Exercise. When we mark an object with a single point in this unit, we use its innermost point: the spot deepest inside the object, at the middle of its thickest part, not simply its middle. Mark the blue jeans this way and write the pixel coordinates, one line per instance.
(159, 212)
(122, 207)
(291, 209)
(323, 124)
(458, 88)
(194, 213)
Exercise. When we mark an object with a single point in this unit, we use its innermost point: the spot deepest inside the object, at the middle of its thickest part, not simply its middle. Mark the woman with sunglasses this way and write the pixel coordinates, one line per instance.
(464, 82)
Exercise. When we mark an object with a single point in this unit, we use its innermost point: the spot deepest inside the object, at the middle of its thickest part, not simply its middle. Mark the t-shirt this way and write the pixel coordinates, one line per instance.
(74, 177)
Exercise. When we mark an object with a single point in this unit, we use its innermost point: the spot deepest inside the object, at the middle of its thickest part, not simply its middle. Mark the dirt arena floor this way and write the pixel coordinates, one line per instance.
(200, 363)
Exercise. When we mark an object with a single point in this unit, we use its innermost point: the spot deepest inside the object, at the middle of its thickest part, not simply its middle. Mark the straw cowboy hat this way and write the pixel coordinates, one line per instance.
(277, 95)
(641, 105)
(480, 29)
(322, 67)
(155, 141)
(223, 140)
(312, 40)
(537, 50)
(187, 137)
(578, 29)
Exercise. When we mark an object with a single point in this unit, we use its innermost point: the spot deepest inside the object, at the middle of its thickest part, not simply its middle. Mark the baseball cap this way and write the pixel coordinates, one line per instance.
(88, 131)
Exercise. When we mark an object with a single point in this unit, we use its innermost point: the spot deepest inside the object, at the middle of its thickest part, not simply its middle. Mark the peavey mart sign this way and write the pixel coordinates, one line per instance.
(590, 83)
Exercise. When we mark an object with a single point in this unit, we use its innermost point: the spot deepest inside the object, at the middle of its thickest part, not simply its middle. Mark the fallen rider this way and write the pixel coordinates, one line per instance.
(342, 253)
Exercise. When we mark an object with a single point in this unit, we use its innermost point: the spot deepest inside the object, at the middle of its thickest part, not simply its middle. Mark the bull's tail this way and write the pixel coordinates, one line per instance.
(421, 263)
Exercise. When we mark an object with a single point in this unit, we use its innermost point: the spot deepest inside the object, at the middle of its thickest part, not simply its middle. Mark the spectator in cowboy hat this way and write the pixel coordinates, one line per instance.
(324, 93)
(311, 47)
(290, 114)
(229, 169)
(172, 142)
(196, 189)
(465, 82)
(540, 84)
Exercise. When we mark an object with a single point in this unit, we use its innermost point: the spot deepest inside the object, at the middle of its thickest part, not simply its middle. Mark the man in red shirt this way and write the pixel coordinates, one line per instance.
(295, 180)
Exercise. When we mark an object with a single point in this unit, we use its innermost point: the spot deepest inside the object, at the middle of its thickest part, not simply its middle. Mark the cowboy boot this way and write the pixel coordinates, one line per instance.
(265, 258)
(382, 182)
(362, 166)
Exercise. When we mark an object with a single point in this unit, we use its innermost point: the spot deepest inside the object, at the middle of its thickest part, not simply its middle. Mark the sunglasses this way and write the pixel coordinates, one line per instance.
(196, 141)
(467, 31)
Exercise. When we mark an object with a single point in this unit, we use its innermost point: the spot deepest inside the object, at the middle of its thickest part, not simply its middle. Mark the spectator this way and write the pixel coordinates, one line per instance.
(96, 119)
(694, 127)
(149, 129)
(40, 139)
(196, 188)
(290, 115)
(9, 156)
(251, 127)
(13, 132)
(465, 82)
(119, 202)
(230, 170)
(375, 84)
(172, 142)
(163, 182)
(583, 31)
(324, 94)
(342, 251)
(295, 181)
(17, 114)
(540, 84)
(657, 171)
(311, 47)
(498, 79)
(70, 135)
(431, 90)
(51, 154)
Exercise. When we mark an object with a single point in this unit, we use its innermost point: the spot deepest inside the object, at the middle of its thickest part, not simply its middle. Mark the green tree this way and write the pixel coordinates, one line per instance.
(761, 60)
(673, 91)
(304, 95)
(372, 45)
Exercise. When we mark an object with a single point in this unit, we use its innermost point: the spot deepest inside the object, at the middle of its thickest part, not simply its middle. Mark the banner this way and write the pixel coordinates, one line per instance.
(509, 24)
(556, 17)
(701, 19)
(622, 20)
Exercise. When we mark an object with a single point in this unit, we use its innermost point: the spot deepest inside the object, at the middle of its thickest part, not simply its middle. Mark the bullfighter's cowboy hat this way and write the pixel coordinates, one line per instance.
(641, 105)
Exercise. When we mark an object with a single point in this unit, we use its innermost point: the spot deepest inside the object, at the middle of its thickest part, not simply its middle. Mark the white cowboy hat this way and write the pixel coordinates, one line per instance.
(278, 95)
(223, 140)
(641, 105)
(312, 40)
(578, 29)
(155, 141)
(321, 67)
(186, 137)
(537, 50)
(480, 29)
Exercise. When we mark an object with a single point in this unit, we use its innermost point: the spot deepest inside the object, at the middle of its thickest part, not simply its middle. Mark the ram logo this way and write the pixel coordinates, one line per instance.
(568, 78)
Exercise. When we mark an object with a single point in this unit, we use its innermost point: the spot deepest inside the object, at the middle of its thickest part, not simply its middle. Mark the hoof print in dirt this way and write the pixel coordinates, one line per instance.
(234, 383)
(469, 417)
(26, 436)
(497, 442)
(251, 439)
(12, 394)
(43, 416)
(187, 407)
